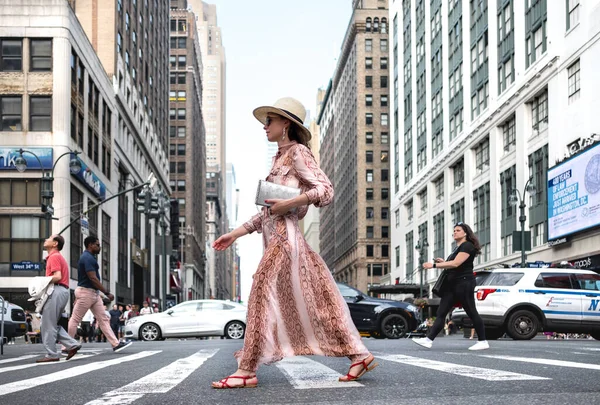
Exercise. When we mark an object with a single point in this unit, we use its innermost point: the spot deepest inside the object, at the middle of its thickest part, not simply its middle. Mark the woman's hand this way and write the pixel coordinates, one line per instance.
(427, 265)
(224, 241)
(279, 207)
(438, 260)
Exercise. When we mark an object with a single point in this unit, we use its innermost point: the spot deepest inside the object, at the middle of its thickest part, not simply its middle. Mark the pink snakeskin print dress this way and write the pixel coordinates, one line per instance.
(295, 307)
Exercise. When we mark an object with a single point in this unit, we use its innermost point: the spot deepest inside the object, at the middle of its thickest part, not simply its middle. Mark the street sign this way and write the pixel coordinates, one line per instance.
(85, 226)
(25, 265)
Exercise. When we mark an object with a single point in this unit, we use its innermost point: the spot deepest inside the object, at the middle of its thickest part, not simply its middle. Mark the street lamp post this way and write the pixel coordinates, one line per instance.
(518, 198)
(422, 249)
(47, 192)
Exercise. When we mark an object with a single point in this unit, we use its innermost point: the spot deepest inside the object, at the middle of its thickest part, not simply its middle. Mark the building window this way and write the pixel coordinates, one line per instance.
(539, 112)
(369, 250)
(181, 149)
(369, 118)
(384, 119)
(19, 193)
(181, 132)
(369, 175)
(384, 138)
(385, 232)
(369, 193)
(505, 75)
(10, 113)
(384, 156)
(369, 156)
(409, 210)
(481, 216)
(369, 137)
(181, 113)
(508, 135)
(385, 212)
(383, 45)
(397, 217)
(438, 235)
(180, 185)
(370, 213)
(456, 124)
(397, 256)
(41, 55)
(40, 113)
(437, 143)
(438, 184)
(385, 192)
(384, 100)
(370, 232)
(383, 81)
(385, 176)
(482, 155)
(458, 174)
(409, 257)
(423, 200)
(574, 84)
(572, 13)
(368, 100)
(368, 45)
(11, 55)
(536, 44)
(368, 82)
(368, 63)
(383, 63)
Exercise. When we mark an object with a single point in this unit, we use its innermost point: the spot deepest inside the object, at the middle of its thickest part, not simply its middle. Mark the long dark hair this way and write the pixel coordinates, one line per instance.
(293, 134)
(470, 237)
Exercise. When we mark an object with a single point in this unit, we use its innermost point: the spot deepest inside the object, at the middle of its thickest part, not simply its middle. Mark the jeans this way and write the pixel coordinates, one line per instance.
(88, 298)
(50, 330)
(459, 291)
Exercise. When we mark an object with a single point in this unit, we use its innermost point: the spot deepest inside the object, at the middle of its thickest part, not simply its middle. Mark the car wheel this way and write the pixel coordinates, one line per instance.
(150, 332)
(394, 326)
(596, 335)
(494, 334)
(235, 330)
(522, 325)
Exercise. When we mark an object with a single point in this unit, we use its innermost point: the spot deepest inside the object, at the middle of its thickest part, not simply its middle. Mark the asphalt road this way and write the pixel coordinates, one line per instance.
(179, 372)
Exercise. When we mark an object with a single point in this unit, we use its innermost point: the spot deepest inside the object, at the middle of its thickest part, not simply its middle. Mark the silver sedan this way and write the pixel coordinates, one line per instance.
(190, 319)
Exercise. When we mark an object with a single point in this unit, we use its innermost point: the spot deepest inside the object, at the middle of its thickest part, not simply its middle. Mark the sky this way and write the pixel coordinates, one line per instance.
(273, 49)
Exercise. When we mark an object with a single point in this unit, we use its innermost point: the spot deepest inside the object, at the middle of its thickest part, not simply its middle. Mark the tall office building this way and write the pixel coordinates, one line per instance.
(187, 151)
(358, 130)
(131, 38)
(488, 95)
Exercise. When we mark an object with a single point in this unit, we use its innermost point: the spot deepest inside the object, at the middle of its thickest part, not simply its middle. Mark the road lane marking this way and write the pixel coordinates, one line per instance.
(547, 362)
(461, 370)
(24, 366)
(22, 385)
(304, 373)
(159, 382)
(29, 356)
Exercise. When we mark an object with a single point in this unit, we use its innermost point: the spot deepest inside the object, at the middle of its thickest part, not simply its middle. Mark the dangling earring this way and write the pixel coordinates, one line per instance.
(283, 137)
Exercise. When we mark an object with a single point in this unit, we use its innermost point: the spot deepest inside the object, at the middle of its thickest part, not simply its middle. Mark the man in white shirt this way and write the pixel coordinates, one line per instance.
(146, 310)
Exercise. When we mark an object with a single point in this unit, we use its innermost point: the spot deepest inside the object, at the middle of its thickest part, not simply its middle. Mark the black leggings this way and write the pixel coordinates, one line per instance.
(462, 291)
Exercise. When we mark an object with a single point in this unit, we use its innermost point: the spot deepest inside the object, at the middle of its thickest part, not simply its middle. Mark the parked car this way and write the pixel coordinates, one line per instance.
(190, 319)
(524, 301)
(14, 321)
(378, 317)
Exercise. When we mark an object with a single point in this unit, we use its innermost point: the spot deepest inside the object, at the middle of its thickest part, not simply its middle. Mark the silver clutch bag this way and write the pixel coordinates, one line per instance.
(271, 191)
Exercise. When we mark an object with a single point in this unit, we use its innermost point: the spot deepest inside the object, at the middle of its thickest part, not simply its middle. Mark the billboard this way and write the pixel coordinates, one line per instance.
(574, 194)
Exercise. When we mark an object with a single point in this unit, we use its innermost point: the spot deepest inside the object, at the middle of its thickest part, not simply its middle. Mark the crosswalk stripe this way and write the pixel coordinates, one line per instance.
(29, 356)
(548, 362)
(158, 382)
(24, 366)
(462, 370)
(17, 386)
(304, 373)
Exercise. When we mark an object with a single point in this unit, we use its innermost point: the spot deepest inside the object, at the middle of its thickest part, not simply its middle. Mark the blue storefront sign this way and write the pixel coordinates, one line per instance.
(87, 177)
(8, 156)
(25, 265)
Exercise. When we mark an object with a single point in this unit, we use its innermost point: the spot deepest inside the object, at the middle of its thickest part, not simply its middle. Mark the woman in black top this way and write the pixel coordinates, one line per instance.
(459, 285)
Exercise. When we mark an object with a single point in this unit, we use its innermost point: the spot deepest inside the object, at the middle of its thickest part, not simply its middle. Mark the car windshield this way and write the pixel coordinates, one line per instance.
(348, 291)
(481, 276)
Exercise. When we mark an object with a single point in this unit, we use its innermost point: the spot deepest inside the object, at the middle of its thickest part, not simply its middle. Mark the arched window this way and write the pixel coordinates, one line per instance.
(375, 24)
(368, 28)
(384, 25)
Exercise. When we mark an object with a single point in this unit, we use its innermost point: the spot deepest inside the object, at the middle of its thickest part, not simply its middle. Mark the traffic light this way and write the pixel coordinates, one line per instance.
(154, 209)
(142, 202)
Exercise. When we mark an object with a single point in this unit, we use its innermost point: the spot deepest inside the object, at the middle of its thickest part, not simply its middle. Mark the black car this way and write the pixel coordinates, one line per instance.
(378, 317)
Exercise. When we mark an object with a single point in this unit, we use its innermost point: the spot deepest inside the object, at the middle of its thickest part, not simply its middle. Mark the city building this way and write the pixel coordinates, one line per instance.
(187, 153)
(232, 205)
(499, 98)
(360, 130)
(55, 97)
(131, 39)
(219, 277)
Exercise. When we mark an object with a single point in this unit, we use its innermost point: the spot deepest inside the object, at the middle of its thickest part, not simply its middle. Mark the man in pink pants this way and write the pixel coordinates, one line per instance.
(87, 294)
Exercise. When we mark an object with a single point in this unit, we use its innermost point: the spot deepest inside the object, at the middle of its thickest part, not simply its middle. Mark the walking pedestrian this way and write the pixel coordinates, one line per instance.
(58, 269)
(295, 307)
(121, 322)
(146, 310)
(88, 291)
(459, 286)
(115, 316)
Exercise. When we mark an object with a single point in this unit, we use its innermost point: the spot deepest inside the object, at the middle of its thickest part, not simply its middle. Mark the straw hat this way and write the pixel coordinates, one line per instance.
(289, 108)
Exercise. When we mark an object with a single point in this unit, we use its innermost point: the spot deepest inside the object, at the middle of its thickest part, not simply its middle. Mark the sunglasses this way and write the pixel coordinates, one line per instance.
(459, 224)
(269, 120)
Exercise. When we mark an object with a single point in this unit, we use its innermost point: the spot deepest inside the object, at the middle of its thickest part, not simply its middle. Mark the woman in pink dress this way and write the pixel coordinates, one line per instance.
(295, 307)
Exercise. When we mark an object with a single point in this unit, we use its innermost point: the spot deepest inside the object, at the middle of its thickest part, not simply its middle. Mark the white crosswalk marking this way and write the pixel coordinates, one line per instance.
(465, 371)
(547, 362)
(24, 366)
(304, 373)
(159, 382)
(68, 373)
(29, 356)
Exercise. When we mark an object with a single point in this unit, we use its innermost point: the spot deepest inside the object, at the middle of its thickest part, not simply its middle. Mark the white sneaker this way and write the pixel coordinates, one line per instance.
(425, 342)
(481, 345)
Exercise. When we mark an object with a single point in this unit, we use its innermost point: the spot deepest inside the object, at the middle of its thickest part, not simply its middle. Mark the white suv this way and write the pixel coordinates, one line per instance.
(524, 301)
